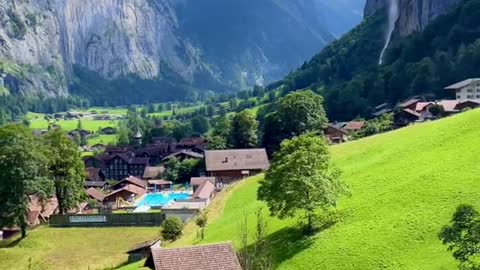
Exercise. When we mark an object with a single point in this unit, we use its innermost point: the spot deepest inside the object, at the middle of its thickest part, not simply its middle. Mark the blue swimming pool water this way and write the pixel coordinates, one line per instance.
(158, 199)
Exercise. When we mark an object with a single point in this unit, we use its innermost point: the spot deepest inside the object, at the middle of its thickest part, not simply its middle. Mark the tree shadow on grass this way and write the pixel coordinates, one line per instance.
(284, 244)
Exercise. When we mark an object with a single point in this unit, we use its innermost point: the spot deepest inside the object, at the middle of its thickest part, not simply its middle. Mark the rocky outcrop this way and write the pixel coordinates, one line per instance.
(415, 15)
(232, 43)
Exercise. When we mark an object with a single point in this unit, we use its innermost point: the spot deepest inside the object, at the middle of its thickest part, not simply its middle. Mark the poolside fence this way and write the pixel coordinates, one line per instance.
(107, 220)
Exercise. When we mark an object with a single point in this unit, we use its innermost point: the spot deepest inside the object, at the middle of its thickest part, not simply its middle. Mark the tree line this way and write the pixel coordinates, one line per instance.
(44, 167)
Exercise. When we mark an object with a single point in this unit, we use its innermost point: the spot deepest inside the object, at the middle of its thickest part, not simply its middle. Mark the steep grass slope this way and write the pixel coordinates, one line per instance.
(405, 186)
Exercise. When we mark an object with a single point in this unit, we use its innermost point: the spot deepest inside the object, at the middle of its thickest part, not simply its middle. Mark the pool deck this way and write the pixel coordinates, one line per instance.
(141, 198)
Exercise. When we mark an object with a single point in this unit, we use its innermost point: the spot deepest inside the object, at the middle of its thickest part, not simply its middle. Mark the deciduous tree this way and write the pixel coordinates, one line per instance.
(65, 168)
(301, 180)
(243, 130)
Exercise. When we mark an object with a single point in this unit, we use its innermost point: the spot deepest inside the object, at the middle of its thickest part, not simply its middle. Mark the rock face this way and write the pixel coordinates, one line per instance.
(233, 43)
(414, 14)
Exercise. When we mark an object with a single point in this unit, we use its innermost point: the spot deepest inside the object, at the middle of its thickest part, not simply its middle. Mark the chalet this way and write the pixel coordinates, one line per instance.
(467, 89)
(232, 165)
(95, 174)
(119, 166)
(209, 257)
(95, 194)
(194, 144)
(39, 212)
(335, 135)
(142, 250)
(151, 173)
(382, 109)
(126, 194)
(410, 104)
(354, 126)
(131, 180)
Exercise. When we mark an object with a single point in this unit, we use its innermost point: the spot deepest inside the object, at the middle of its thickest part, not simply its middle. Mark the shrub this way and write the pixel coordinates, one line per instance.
(172, 228)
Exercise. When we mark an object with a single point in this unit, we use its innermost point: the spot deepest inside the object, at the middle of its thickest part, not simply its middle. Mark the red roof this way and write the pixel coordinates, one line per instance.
(354, 125)
(95, 194)
(211, 257)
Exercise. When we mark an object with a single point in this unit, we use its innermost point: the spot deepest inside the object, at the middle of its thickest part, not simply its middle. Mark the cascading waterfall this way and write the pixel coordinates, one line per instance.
(393, 15)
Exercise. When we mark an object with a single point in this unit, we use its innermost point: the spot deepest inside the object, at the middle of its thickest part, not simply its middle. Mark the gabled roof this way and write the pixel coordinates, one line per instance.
(409, 102)
(238, 159)
(159, 182)
(330, 126)
(204, 191)
(184, 152)
(197, 181)
(211, 257)
(422, 105)
(132, 180)
(153, 172)
(95, 194)
(129, 188)
(99, 184)
(143, 245)
(461, 84)
(448, 105)
(354, 125)
(414, 113)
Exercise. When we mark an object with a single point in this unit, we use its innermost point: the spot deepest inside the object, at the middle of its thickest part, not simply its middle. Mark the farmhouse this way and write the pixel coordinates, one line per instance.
(334, 134)
(119, 166)
(467, 89)
(210, 257)
(131, 180)
(354, 126)
(183, 155)
(232, 165)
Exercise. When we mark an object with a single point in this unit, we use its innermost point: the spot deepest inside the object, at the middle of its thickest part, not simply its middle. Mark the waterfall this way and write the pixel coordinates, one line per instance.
(393, 14)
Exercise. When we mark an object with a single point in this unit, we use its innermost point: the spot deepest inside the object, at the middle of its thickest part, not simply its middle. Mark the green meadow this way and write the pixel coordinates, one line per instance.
(405, 186)
(73, 248)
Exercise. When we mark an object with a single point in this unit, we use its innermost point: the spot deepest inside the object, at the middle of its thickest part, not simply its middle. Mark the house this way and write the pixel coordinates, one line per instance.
(131, 180)
(405, 117)
(151, 173)
(99, 147)
(183, 155)
(354, 126)
(95, 194)
(382, 109)
(142, 250)
(119, 166)
(410, 104)
(232, 165)
(95, 174)
(467, 104)
(95, 184)
(126, 194)
(206, 191)
(82, 133)
(195, 182)
(335, 135)
(467, 89)
(208, 257)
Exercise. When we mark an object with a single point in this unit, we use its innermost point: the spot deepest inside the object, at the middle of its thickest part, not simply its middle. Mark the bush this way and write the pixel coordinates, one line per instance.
(172, 228)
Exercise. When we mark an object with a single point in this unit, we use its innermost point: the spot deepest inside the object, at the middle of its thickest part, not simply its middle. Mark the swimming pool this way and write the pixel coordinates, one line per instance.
(159, 199)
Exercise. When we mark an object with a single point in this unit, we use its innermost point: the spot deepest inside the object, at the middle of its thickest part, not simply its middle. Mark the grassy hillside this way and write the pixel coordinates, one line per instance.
(73, 248)
(405, 186)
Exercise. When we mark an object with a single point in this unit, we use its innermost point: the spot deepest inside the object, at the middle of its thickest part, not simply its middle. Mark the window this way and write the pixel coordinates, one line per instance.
(469, 96)
(478, 96)
(469, 90)
(459, 97)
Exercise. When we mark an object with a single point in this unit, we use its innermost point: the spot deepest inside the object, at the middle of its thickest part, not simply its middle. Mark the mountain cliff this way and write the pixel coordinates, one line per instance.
(415, 15)
(432, 43)
(48, 46)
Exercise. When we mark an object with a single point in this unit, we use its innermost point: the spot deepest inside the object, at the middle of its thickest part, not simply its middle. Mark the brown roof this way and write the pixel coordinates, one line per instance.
(184, 152)
(132, 180)
(153, 172)
(354, 125)
(44, 210)
(197, 181)
(331, 126)
(211, 257)
(143, 245)
(409, 102)
(95, 194)
(204, 191)
(448, 105)
(234, 160)
(422, 105)
(414, 113)
(99, 184)
(129, 188)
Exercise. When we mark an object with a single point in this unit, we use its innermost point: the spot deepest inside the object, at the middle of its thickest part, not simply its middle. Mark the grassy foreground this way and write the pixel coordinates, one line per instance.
(405, 186)
(74, 248)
